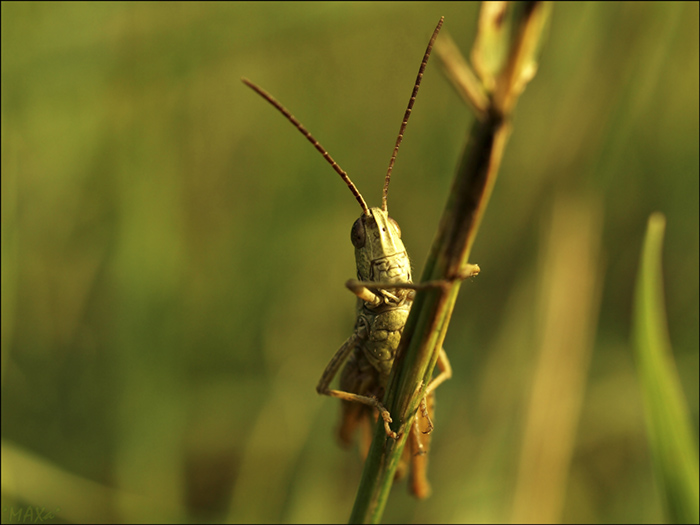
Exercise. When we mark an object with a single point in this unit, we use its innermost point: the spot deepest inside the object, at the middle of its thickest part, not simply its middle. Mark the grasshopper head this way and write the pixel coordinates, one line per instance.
(379, 252)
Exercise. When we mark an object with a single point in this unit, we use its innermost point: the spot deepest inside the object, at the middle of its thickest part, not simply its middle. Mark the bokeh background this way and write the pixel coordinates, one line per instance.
(174, 253)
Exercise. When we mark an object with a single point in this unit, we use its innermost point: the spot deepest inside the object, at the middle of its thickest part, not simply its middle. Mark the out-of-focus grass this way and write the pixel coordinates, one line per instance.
(568, 298)
(173, 252)
(673, 447)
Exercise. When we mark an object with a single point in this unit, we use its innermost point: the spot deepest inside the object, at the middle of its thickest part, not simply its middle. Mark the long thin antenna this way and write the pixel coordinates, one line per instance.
(264, 94)
(408, 112)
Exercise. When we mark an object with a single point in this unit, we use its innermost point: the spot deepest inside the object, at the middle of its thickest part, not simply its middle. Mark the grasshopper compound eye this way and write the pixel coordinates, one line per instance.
(357, 234)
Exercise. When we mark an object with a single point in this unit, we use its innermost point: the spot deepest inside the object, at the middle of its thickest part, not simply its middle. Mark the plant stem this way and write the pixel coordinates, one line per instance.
(427, 323)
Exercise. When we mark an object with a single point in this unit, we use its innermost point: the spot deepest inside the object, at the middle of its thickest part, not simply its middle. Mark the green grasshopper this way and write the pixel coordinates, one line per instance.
(385, 294)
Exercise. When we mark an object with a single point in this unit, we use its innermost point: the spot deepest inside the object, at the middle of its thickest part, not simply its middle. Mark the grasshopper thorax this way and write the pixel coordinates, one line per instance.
(379, 251)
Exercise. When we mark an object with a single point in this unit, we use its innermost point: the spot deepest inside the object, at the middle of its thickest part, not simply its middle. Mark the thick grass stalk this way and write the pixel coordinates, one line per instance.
(517, 31)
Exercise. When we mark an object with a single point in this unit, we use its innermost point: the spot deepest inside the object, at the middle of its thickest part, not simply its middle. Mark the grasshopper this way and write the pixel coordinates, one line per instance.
(385, 293)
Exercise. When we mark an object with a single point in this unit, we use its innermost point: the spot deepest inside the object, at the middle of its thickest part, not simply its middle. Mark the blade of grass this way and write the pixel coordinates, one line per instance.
(673, 448)
(50, 491)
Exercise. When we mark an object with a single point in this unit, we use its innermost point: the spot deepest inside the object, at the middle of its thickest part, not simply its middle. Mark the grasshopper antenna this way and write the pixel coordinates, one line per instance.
(343, 175)
(408, 112)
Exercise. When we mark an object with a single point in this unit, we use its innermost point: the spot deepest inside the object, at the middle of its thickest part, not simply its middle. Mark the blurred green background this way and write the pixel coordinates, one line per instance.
(174, 252)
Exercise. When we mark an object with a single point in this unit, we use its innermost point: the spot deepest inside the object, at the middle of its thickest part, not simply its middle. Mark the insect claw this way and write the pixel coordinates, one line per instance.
(469, 270)
(390, 296)
(426, 415)
(387, 419)
(386, 416)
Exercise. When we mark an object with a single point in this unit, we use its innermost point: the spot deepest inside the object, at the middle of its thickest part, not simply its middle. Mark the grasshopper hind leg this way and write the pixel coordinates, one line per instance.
(357, 376)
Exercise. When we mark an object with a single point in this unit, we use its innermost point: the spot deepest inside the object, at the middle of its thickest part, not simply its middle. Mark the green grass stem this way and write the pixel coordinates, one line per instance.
(427, 324)
(673, 447)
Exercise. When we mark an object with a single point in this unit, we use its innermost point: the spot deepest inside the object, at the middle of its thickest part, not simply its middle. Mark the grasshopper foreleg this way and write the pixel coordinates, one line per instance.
(364, 289)
(332, 369)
